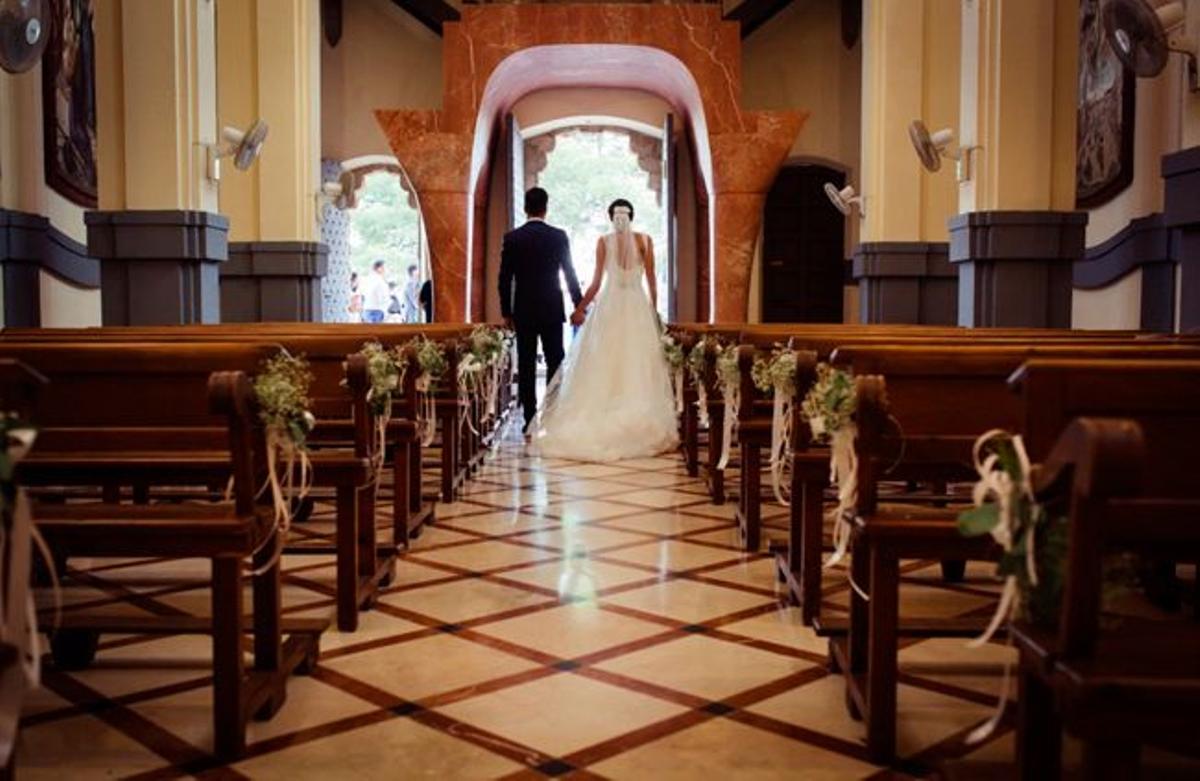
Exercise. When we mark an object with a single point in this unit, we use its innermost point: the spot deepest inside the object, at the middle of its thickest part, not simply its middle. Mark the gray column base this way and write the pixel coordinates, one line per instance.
(906, 282)
(1014, 268)
(29, 244)
(267, 281)
(1181, 214)
(158, 267)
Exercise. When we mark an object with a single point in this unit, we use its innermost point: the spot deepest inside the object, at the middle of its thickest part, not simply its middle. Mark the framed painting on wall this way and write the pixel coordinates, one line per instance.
(1105, 115)
(69, 102)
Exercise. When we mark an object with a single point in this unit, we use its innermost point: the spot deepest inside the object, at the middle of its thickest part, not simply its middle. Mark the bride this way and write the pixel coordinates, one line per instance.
(612, 398)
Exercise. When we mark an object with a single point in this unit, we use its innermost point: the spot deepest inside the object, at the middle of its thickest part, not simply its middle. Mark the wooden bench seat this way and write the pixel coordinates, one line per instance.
(228, 533)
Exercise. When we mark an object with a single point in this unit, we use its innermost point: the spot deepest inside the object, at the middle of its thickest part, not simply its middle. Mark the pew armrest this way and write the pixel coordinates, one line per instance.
(1100, 458)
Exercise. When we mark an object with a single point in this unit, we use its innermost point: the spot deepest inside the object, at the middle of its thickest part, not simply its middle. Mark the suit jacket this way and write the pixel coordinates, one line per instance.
(533, 256)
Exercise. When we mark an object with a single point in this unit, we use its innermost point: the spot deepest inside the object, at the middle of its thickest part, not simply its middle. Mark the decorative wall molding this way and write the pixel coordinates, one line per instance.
(1181, 214)
(906, 282)
(1015, 267)
(1147, 244)
(30, 244)
(159, 267)
(273, 281)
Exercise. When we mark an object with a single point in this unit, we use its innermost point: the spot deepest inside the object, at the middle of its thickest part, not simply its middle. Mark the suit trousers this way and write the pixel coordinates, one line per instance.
(528, 335)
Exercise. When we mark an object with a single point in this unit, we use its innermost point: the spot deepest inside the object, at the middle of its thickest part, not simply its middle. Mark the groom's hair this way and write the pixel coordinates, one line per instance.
(536, 200)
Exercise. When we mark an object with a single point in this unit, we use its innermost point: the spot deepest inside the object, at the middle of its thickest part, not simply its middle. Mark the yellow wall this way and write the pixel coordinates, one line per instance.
(384, 59)
(23, 188)
(797, 60)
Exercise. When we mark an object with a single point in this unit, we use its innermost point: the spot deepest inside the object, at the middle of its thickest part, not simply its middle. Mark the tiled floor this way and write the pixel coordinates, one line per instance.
(562, 618)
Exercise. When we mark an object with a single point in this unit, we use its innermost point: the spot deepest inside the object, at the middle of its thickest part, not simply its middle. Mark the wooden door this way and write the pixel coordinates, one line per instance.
(803, 248)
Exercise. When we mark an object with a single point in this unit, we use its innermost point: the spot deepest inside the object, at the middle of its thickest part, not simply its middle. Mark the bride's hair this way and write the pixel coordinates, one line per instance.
(612, 207)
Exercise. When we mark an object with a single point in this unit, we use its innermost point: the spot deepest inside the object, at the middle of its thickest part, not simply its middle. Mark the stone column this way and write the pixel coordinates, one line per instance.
(1017, 233)
(157, 234)
(268, 68)
(910, 71)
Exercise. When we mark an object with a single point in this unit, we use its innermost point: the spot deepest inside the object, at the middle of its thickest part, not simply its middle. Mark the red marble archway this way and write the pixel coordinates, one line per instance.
(499, 53)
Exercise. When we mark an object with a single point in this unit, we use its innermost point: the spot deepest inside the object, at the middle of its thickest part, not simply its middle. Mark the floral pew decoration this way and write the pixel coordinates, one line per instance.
(431, 367)
(673, 352)
(729, 380)
(281, 389)
(775, 375)
(385, 373)
(479, 372)
(695, 365)
(828, 409)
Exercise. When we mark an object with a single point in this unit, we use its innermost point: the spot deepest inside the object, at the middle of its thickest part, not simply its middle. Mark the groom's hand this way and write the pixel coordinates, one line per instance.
(577, 317)
(508, 323)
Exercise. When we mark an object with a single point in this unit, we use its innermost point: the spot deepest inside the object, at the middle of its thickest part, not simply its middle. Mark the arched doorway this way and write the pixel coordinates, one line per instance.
(586, 164)
(378, 219)
(803, 254)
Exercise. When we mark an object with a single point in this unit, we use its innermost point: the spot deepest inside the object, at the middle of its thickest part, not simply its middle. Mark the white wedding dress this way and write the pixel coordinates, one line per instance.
(612, 398)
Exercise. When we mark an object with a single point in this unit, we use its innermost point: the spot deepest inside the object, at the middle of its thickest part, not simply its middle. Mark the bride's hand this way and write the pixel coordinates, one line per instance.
(577, 317)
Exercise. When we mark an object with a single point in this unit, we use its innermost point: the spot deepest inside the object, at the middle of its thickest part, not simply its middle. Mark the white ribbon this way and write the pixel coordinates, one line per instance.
(18, 611)
(781, 444)
(996, 484)
(426, 409)
(702, 402)
(285, 490)
(677, 381)
(733, 398)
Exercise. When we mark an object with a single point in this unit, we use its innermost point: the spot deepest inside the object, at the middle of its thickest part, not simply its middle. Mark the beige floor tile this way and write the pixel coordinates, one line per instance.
(372, 625)
(483, 556)
(663, 522)
(58, 750)
(396, 748)
(579, 578)
(581, 470)
(759, 572)
(721, 748)
(463, 600)
(583, 712)
(516, 497)
(498, 522)
(587, 489)
(923, 718)
(781, 626)
(657, 479)
(436, 535)
(580, 510)
(574, 538)
(947, 660)
(687, 601)
(658, 498)
(309, 703)
(571, 631)
(674, 555)
(431, 665)
(156, 662)
(714, 669)
(410, 571)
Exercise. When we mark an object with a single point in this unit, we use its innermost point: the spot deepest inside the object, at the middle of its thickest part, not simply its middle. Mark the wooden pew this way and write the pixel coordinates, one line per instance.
(1124, 476)
(226, 533)
(919, 411)
(149, 397)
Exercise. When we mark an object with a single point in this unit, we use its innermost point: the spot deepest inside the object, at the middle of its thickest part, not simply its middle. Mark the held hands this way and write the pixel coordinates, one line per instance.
(577, 317)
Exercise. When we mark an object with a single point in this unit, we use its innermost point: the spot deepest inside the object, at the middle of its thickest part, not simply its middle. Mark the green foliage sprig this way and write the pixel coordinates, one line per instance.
(487, 344)
(673, 352)
(829, 404)
(695, 359)
(281, 388)
(430, 358)
(776, 371)
(728, 376)
(385, 369)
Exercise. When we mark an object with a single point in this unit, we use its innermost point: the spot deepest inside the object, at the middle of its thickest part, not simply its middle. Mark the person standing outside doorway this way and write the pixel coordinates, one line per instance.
(377, 296)
(412, 295)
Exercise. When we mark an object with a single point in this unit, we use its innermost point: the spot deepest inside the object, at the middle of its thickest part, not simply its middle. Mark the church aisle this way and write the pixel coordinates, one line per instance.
(560, 617)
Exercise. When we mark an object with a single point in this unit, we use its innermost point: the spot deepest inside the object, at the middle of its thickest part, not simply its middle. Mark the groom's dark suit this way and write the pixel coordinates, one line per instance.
(533, 256)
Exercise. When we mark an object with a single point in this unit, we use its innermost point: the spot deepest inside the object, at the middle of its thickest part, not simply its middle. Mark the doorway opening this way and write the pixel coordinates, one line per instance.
(803, 263)
(585, 168)
(385, 224)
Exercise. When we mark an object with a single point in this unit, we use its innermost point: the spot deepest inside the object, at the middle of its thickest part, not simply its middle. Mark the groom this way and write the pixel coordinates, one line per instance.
(534, 255)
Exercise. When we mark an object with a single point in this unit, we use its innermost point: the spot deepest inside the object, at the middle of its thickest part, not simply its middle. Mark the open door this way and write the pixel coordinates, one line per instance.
(668, 210)
(516, 171)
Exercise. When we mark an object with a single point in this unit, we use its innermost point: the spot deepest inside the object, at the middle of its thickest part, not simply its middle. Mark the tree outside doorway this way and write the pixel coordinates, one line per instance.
(585, 172)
